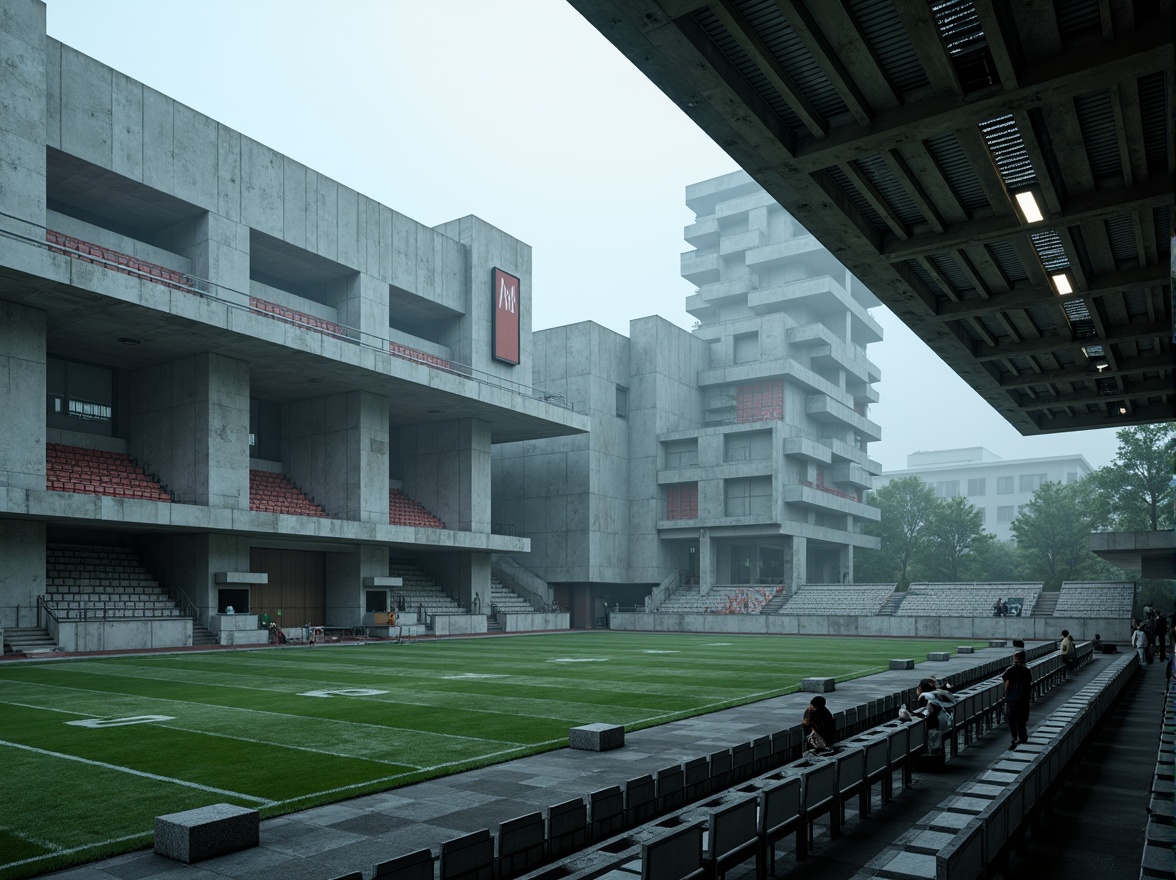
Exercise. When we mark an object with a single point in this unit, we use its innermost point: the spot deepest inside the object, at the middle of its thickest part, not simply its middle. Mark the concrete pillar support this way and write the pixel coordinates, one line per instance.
(22, 576)
(23, 124)
(447, 468)
(219, 250)
(344, 587)
(706, 561)
(22, 397)
(364, 307)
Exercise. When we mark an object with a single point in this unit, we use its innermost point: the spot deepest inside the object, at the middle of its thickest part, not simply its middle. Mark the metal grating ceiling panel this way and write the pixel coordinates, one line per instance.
(957, 171)
(859, 201)
(994, 327)
(1160, 221)
(950, 269)
(1050, 250)
(1121, 234)
(1008, 152)
(734, 53)
(792, 55)
(916, 269)
(1043, 318)
(1005, 256)
(875, 170)
(1135, 301)
(1096, 119)
(1076, 16)
(959, 26)
(1153, 110)
(890, 44)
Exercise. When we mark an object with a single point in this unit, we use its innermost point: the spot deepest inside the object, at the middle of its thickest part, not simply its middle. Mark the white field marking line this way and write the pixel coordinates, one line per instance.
(169, 779)
(289, 717)
(383, 779)
(76, 849)
(44, 844)
(399, 702)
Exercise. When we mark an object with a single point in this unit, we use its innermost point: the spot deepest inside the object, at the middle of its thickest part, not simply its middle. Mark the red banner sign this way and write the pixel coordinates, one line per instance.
(508, 293)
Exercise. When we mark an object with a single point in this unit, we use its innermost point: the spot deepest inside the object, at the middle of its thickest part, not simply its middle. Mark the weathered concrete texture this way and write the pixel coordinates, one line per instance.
(818, 685)
(939, 655)
(22, 574)
(902, 664)
(965, 649)
(597, 737)
(206, 832)
(446, 468)
(23, 124)
(22, 397)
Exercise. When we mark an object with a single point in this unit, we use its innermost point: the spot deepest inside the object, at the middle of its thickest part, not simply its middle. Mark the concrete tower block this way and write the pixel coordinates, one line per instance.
(22, 397)
(23, 83)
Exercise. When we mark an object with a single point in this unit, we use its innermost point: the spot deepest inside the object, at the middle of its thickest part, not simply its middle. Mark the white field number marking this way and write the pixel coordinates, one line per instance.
(344, 692)
(120, 722)
(653, 651)
(473, 675)
(578, 660)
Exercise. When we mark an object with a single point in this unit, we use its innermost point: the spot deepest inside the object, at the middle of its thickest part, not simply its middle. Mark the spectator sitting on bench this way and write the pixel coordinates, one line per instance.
(935, 704)
(820, 731)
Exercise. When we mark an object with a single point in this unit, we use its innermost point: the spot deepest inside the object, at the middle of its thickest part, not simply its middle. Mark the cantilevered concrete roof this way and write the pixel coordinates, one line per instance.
(901, 133)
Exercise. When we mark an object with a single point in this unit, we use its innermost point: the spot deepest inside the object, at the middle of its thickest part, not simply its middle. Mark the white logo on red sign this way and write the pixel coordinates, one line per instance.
(508, 295)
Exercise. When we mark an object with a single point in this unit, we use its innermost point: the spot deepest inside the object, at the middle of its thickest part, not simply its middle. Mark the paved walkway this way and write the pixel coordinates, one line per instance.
(1102, 811)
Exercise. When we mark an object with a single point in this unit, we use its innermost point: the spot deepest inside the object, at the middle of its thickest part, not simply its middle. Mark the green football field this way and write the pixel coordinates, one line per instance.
(94, 749)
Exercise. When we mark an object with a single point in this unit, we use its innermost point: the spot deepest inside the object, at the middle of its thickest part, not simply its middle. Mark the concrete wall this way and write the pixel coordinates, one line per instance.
(446, 467)
(336, 450)
(188, 422)
(22, 124)
(1027, 628)
(189, 563)
(344, 582)
(458, 624)
(535, 622)
(22, 571)
(122, 635)
(22, 397)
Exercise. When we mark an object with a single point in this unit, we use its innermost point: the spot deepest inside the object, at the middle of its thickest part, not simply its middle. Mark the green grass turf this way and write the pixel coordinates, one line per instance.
(241, 728)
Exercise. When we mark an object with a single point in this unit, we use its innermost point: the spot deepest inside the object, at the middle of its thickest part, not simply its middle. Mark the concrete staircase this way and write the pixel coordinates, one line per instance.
(1046, 603)
(776, 603)
(202, 637)
(29, 640)
(890, 606)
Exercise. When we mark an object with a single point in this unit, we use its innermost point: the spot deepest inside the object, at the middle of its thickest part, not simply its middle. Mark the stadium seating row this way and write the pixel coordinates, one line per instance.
(98, 472)
(838, 599)
(403, 511)
(293, 316)
(88, 252)
(273, 493)
(105, 582)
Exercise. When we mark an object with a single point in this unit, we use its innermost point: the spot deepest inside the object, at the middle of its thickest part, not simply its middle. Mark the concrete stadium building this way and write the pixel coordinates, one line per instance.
(731, 456)
(219, 366)
(997, 487)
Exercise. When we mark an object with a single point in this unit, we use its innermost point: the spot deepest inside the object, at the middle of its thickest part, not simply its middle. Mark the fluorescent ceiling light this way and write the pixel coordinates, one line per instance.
(1029, 209)
(1062, 283)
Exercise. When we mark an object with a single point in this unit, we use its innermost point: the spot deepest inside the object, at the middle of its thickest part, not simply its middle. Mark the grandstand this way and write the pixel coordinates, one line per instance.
(838, 599)
(965, 600)
(720, 600)
(1093, 599)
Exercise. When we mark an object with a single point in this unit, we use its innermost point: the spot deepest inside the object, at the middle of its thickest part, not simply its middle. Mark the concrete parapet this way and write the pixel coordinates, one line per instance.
(206, 832)
(597, 737)
(818, 685)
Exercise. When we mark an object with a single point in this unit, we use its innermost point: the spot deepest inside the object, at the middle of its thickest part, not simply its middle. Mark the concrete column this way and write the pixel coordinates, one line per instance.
(473, 582)
(446, 467)
(796, 564)
(344, 588)
(189, 563)
(189, 423)
(706, 561)
(22, 574)
(23, 82)
(22, 397)
(336, 449)
(219, 251)
(847, 563)
(364, 306)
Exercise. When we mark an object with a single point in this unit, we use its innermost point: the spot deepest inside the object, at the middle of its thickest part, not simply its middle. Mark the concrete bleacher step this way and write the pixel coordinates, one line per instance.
(890, 606)
(1045, 605)
(102, 582)
(29, 640)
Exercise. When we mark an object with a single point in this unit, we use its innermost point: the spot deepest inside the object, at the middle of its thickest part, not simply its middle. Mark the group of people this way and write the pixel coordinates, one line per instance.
(1149, 637)
(1001, 608)
(936, 704)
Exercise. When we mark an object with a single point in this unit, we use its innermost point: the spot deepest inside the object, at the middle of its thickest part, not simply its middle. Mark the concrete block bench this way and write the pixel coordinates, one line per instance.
(939, 655)
(908, 663)
(597, 737)
(965, 649)
(998, 643)
(818, 685)
(206, 832)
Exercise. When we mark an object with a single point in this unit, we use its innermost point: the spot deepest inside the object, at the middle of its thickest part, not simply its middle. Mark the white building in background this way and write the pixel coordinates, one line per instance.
(999, 488)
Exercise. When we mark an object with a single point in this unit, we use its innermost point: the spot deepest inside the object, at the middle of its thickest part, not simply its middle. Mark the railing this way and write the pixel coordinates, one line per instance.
(59, 243)
(45, 614)
(830, 490)
(186, 605)
(511, 574)
(663, 591)
(92, 611)
(509, 530)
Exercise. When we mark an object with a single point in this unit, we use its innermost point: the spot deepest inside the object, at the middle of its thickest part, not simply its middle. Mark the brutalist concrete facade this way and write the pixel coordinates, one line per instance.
(736, 454)
(241, 311)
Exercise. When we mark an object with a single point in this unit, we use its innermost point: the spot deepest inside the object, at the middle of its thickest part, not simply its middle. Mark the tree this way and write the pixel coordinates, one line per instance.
(954, 530)
(1053, 533)
(1137, 486)
(906, 506)
(994, 561)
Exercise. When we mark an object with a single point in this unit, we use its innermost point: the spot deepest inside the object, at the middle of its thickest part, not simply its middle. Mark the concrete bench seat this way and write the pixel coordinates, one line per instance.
(597, 737)
(205, 832)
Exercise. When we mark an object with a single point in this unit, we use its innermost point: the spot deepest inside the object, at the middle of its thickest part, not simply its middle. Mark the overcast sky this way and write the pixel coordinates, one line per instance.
(517, 111)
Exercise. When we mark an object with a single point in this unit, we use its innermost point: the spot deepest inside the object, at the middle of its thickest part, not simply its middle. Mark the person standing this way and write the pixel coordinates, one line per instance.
(1139, 643)
(1069, 654)
(1018, 684)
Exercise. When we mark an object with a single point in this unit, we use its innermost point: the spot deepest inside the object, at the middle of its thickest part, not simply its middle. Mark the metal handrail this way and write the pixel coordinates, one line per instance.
(205, 288)
(663, 591)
